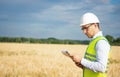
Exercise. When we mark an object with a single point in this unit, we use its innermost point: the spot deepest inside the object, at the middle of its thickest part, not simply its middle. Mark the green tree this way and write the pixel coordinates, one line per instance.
(117, 41)
(110, 38)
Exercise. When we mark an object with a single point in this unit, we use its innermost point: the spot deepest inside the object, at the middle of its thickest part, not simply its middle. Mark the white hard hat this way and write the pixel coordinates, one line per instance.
(89, 18)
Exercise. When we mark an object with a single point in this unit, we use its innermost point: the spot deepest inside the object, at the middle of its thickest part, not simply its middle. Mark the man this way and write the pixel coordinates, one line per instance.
(95, 61)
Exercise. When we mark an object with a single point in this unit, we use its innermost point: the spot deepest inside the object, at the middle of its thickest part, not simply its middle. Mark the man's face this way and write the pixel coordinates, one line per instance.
(89, 30)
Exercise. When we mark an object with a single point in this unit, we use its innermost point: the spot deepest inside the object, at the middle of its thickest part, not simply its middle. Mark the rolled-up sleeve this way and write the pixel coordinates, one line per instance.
(102, 51)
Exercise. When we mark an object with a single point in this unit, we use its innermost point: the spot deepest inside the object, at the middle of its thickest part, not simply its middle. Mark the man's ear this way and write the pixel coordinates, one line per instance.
(96, 25)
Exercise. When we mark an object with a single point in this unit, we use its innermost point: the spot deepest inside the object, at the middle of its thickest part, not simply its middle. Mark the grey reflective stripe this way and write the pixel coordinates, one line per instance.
(108, 63)
(90, 57)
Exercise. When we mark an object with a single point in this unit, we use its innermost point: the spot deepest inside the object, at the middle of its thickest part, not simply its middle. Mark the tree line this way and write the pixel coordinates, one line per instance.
(52, 40)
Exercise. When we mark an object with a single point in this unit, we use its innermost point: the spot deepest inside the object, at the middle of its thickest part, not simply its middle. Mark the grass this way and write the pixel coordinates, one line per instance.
(46, 60)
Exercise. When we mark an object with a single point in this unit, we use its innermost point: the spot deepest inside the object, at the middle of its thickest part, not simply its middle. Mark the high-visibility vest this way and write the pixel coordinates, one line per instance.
(90, 55)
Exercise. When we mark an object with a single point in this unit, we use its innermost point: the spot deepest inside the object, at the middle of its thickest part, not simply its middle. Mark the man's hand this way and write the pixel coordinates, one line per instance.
(77, 60)
(79, 65)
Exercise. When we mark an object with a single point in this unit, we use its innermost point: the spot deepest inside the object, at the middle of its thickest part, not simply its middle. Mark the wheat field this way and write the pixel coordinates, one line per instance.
(46, 60)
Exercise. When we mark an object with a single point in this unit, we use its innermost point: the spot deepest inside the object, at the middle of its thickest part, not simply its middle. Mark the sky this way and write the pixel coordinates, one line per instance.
(56, 18)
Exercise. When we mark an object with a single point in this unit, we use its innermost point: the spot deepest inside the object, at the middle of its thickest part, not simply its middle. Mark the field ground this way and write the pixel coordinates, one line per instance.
(46, 60)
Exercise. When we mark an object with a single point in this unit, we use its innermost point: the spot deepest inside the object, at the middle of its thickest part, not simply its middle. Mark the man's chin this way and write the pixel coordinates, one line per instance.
(89, 36)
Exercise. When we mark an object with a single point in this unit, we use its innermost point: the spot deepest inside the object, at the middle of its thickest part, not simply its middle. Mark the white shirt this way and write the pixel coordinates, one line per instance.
(102, 51)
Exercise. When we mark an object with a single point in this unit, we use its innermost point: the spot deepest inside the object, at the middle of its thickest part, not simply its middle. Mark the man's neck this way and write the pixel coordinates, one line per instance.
(99, 33)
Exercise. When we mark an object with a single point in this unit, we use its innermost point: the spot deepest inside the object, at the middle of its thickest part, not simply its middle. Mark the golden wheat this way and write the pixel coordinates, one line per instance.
(46, 60)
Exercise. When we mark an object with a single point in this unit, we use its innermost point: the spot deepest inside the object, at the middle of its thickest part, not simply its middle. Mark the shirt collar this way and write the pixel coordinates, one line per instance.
(98, 34)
